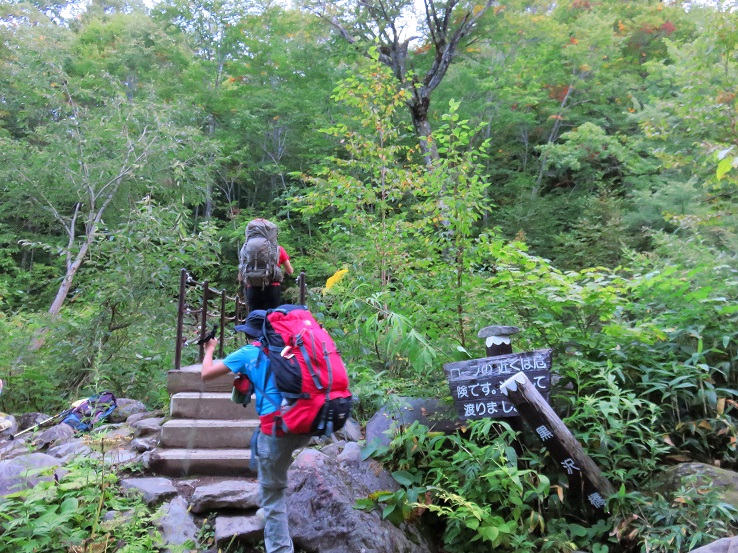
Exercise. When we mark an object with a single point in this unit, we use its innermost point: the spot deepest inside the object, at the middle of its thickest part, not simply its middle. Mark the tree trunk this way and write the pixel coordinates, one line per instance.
(419, 112)
(447, 27)
(66, 283)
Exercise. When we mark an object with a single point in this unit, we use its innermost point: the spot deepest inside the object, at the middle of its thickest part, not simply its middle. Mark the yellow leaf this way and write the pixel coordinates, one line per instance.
(335, 279)
(721, 406)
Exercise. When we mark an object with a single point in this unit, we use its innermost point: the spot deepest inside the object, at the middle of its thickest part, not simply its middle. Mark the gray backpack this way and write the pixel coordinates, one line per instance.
(259, 255)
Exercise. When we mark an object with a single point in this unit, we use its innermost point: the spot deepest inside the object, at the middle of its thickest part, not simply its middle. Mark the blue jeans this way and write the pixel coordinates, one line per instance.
(274, 458)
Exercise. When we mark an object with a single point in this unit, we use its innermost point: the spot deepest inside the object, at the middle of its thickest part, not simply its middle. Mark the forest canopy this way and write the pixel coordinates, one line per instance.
(570, 168)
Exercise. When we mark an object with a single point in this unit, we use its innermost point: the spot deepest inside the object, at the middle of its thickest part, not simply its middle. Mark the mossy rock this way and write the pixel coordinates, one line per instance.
(723, 481)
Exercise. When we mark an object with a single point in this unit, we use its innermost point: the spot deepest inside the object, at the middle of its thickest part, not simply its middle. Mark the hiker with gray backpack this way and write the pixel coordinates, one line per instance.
(262, 263)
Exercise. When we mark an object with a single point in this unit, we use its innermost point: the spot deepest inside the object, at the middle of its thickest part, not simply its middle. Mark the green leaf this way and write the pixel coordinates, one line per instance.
(69, 505)
(404, 478)
(724, 167)
(388, 510)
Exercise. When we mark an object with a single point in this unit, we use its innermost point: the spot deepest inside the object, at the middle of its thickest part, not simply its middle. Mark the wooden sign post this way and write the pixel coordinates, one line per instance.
(497, 339)
(475, 384)
(516, 386)
(585, 479)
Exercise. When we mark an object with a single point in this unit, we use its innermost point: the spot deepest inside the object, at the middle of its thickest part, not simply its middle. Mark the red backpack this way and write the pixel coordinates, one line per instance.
(308, 371)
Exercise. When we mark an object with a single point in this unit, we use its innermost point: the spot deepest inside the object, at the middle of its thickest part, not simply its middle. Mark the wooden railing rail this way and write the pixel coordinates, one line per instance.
(229, 309)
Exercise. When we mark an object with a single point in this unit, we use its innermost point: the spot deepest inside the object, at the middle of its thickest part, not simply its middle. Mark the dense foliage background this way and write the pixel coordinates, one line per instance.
(566, 167)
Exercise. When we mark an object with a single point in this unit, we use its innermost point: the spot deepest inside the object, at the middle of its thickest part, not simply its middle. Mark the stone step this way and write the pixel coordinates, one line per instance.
(207, 434)
(201, 462)
(189, 379)
(210, 406)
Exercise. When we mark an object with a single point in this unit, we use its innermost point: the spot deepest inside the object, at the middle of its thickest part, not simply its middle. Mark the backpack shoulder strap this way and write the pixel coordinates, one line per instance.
(261, 387)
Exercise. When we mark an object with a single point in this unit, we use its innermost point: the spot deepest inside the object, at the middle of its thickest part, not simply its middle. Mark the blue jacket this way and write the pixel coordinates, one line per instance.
(251, 361)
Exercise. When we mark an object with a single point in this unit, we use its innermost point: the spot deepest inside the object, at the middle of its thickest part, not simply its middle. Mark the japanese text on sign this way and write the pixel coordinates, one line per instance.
(474, 384)
(500, 365)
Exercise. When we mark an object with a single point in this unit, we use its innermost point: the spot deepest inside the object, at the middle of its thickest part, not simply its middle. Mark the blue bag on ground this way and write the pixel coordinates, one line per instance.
(95, 409)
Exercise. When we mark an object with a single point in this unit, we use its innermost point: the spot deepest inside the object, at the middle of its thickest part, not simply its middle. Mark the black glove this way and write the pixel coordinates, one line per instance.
(206, 339)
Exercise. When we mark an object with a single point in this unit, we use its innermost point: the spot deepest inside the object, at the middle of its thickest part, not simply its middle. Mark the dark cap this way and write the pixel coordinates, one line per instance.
(254, 324)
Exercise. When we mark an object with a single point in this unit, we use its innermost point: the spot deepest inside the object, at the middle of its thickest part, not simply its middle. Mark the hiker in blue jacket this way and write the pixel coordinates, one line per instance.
(273, 451)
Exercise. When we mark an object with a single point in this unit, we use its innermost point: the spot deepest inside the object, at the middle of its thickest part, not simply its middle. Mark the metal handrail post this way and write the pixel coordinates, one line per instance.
(204, 324)
(222, 322)
(180, 319)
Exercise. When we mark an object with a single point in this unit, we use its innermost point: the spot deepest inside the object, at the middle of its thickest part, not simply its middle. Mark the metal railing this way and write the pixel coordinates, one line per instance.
(229, 309)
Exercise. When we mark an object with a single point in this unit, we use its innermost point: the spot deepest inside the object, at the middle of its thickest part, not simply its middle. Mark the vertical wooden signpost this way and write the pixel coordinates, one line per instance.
(585, 479)
(517, 385)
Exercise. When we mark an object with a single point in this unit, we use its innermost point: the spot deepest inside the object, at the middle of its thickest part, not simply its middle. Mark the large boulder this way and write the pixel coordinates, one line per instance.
(69, 450)
(321, 494)
(125, 408)
(403, 411)
(25, 471)
(725, 545)
(146, 427)
(702, 474)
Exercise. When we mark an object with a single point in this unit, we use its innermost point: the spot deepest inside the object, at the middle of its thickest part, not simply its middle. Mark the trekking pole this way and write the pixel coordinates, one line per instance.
(13, 436)
(57, 416)
(303, 291)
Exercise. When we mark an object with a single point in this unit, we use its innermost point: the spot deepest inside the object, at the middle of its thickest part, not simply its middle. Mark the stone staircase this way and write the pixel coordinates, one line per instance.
(207, 434)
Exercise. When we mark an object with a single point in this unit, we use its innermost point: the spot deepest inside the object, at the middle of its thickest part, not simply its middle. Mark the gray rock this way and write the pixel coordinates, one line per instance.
(152, 489)
(120, 457)
(238, 528)
(178, 527)
(351, 431)
(13, 448)
(67, 451)
(121, 517)
(8, 425)
(725, 545)
(334, 449)
(110, 433)
(126, 408)
(351, 454)
(147, 427)
(145, 444)
(56, 435)
(14, 473)
(141, 416)
(228, 494)
(27, 420)
(322, 491)
(145, 460)
(403, 411)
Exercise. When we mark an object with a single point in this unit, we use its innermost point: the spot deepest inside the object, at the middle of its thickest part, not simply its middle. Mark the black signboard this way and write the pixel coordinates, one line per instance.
(475, 384)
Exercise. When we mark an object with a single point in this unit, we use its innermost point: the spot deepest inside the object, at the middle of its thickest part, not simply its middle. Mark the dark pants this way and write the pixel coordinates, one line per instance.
(268, 298)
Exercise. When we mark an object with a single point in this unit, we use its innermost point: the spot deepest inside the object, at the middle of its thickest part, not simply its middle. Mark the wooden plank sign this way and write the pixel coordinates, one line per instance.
(586, 481)
(475, 384)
